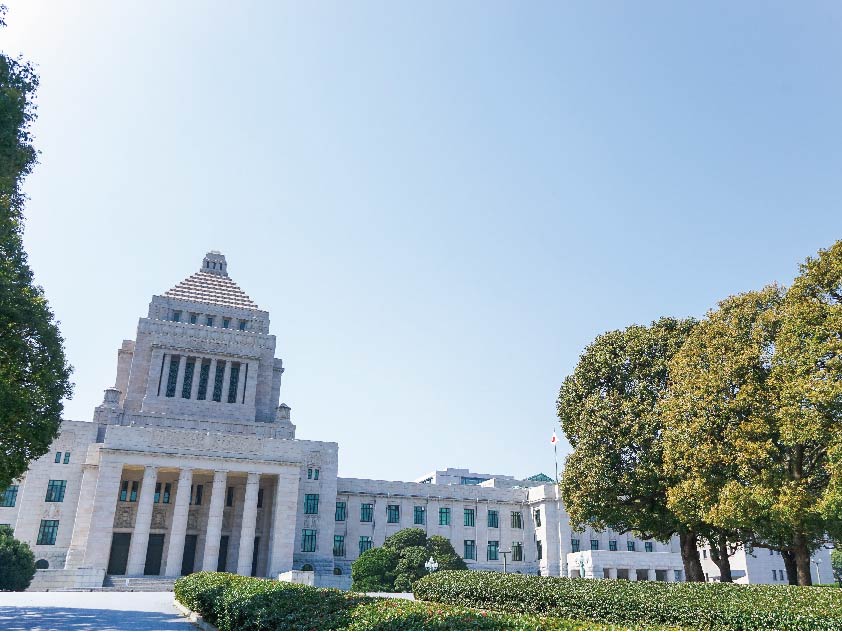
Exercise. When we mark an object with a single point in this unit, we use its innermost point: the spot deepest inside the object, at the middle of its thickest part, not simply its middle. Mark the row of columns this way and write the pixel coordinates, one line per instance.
(178, 529)
(194, 386)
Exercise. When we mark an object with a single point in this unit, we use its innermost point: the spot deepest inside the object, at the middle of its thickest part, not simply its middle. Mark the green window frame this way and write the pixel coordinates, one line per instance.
(47, 532)
(308, 540)
(612, 545)
(444, 516)
(493, 552)
(366, 512)
(493, 519)
(66, 458)
(58, 457)
(647, 546)
(9, 496)
(55, 491)
(133, 492)
(630, 545)
(574, 545)
(311, 503)
(365, 543)
(470, 550)
(540, 546)
(157, 497)
(517, 551)
(420, 514)
(594, 545)
(167, 493)
(393, 514)
(469, 517)
(340, 511)
(339, 546)
(537, 517)
(517, 520)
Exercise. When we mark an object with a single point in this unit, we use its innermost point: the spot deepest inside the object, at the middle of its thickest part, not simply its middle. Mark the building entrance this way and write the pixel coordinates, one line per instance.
(119, 557)
(154, 551)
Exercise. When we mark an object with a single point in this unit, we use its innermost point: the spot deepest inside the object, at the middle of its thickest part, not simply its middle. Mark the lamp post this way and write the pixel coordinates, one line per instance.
(817, 561)
(505, 559)
(431, 565)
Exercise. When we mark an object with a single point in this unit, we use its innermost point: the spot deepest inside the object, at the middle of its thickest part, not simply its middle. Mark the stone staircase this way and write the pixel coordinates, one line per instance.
(142, 583)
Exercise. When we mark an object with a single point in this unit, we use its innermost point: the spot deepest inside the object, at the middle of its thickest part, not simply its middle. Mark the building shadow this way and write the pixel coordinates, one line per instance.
(69, 618)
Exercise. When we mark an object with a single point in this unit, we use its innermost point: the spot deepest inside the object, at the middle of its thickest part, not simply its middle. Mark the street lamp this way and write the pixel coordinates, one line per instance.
(505, 559)
(431, 565)
(817, 561)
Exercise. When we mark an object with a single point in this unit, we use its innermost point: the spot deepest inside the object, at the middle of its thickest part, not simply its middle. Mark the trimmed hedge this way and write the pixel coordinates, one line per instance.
(234, 602)
(620, 602)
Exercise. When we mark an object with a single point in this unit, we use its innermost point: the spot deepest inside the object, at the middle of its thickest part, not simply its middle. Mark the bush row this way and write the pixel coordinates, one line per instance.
(233, 602)
(620, 602)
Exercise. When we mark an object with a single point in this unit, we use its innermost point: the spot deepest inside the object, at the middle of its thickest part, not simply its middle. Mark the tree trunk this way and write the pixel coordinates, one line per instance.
(690, 556)
(719, 555)
(802, 559)
(791, 568)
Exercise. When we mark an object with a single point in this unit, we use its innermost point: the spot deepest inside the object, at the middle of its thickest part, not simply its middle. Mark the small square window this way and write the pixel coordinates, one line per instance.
(574, 545)
(194, 318)
(444, 516)
(612, 545)
(594, 545)
(630, 545)
(209, 321)
(316, 475)
(647, 546)
(176, 316)
(226, 323)
(58, 457)
(242, 325)
(66, 458)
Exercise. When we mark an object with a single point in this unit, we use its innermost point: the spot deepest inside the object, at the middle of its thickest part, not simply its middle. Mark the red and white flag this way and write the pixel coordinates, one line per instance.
(554, 440)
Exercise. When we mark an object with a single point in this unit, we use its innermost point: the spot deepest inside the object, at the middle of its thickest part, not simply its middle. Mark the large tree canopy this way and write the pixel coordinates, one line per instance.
(34, 375)
(610, 412)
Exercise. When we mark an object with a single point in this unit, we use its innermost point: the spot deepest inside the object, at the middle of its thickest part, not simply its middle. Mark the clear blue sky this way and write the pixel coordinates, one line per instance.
(439, 203)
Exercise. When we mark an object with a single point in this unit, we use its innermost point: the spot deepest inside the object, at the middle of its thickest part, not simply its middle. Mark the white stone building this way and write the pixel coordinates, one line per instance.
(191, 464)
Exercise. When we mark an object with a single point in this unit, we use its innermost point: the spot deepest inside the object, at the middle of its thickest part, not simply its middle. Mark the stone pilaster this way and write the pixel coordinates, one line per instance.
(179, 381)
(96, 532)
(226, 382)
(214, 528)
(248, 526)
(179, 523)
(197, 371)
(285, 504)
(140, 536)
(82, 523)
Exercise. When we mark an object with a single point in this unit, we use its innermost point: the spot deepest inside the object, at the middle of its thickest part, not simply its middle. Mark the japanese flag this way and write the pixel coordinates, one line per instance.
(554, 439)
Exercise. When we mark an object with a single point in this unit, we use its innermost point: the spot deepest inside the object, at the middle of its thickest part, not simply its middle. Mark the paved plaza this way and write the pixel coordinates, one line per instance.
(90, 611)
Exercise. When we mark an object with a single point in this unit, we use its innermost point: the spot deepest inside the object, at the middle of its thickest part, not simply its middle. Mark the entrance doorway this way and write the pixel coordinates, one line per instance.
(222, 561)
(189, 558)
(154, 551)
(119, 557)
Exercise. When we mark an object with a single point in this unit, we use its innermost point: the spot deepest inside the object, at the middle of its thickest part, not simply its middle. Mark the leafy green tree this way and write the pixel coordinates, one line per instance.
(410, 567)
(442, 551)
(836, 565)
(16, 561)
(34, 376)
(610, 411)
(406, 538)
(374, 570)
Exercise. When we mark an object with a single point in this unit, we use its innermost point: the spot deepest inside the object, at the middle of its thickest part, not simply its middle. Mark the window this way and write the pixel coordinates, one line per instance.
(42, 564)
(242, 325)
(204, 375)
(473, 480)
(133, 493)
(630, 545)
(774, 575)
(612, 545)
(229, 497)
(167, 492)
(172, 376)
(309, 473)
(209, 321)
(574, 545)
(444, 516)
(365, 543)
(517, 551)
(704, 554)
(340, 511)
(311, 503)
(470, 550)
(187, 382)
(537, 517)
(124, 491)
(176, 316)
(493, 549)
(196, 494)
(58, 457)
(339, 546)
(194, 318)
(594, 545)
(469, 517)
(540, 550)
(517, 520)
(157, 497)
(260, 498)
(217, 381)
(47, 532)
(316, 474)
(678, 576)
(308, 540)
(393, 513)
(647, 546)
(420, 515)
(226, 323)
(66, 458)
(493, 519)
(234, 378)
(366, 512)
(9, 496)
(55, 491)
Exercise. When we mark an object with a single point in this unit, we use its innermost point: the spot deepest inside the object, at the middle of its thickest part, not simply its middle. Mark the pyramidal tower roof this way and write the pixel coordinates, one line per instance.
(212, 285)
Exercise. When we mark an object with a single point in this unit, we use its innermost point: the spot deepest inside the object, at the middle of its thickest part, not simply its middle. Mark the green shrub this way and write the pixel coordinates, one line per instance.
(374, 570)
(405, 538)
(233, 602)
(17, 562)
(442, 551)
(621, 602)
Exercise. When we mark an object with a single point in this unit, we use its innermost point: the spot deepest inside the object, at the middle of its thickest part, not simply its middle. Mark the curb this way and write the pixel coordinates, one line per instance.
(194, 617)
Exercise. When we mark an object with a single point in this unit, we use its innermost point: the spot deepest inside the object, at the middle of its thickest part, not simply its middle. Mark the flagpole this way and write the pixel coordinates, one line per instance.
(555, 450)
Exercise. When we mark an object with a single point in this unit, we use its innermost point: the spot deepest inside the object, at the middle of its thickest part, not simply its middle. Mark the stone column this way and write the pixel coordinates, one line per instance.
(197, 371)
(240, 382)
(82, 523)
(248, 526)
(284, 507)
(226, 381)
(178, 530)
(179, 380)
(211, 378)
(94, 533)
(140, 536)
(214, 528)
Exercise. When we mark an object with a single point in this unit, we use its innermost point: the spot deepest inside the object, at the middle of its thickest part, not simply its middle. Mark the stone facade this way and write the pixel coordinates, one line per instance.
(191, 464)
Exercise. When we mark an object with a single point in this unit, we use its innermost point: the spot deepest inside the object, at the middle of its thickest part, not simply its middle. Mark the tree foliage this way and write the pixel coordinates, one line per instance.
(610, 411)
(16, 561)
(34, 376)
(836, 565)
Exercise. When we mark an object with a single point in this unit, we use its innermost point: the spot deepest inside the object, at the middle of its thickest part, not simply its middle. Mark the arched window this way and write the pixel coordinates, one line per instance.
(337, 571)
(42, 564)
(307, 567)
